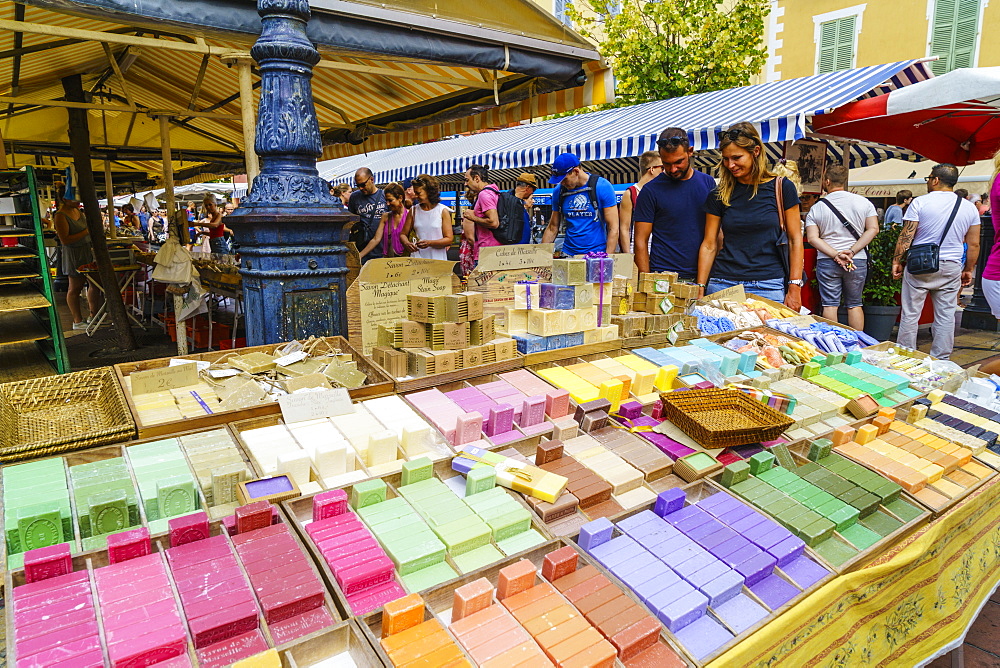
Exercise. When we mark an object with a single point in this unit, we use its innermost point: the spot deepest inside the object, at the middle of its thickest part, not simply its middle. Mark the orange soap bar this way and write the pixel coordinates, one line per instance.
(842, 435)
(912, 481)
(617, 606)
(930, 498)
(902, 427)
(887, 412)
(601, 597)
(948, 488)
(576, 577)
(472, 597)
(529, 596)
(497, 627)
(636, 638)
(401, 614)
(964, 456)
(657, 656)
(556, 636)
(498, 644)
(423, 646)
(574, 645)
(866, 433)
(598, 655)
(615, 625)
(882, 424)
(439, 657)
(559, 563)
(412, 634)
(476, 620)
(975, 469)
(538, 608)
(585, 589)
(526, 653)
(551, 619)
(515, 578)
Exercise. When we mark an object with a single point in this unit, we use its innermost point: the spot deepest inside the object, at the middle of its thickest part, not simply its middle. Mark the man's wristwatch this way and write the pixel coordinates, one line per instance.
(798, 281)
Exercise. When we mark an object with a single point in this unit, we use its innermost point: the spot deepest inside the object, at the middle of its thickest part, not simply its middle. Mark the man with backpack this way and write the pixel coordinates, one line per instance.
(480, 222)
(840, 226)
(589, 206)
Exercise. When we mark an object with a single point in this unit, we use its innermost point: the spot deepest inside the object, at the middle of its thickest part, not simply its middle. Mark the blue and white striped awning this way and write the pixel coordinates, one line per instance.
(781, 110)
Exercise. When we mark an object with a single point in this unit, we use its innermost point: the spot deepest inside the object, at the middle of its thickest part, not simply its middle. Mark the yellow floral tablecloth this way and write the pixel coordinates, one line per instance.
(901, 608)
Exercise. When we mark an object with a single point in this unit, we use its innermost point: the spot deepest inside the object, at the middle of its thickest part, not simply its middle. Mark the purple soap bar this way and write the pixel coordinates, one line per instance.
(639, 519)
(593, 533)
(804, 572)
(787, 550)
(745, 524)
(630, 410)
(683, 513)
(722, 588)
(632, 571)
(655, 532)
(774, 591)
(669, 594)
(714, 540)
(708, 573)
(669, 501)
(678, 614)
(500, 420)
(600, 269)
(773, 537)
(739, 613)
(688, 568)
(656, 579)
(756, 568)
(704, 530)
(703, 636)
(666, 549)
(738, 549)
(617, 551)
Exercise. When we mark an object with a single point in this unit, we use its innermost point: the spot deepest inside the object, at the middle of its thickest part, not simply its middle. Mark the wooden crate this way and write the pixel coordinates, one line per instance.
(335, 646)
(695, 492)
(379, 384)
(644, 341)
(109, 452)
(413, 383)
(864, 556)
(95, 560)
(573, 351)
(438, 601)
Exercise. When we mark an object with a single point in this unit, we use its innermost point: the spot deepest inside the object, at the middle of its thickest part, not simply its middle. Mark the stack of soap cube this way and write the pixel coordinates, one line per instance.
(166, 486)
(409, 640)
(662, 293)
(106, 500)
(36, 508)
(363, 570)
(417, 552)
(219, 466)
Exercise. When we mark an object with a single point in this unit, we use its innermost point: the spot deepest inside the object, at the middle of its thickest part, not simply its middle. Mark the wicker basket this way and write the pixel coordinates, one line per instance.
(721, 418)
(55, 414)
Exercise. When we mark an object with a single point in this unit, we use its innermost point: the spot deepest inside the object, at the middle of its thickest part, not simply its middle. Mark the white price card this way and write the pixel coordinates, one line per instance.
(164, 378)
(315, 404)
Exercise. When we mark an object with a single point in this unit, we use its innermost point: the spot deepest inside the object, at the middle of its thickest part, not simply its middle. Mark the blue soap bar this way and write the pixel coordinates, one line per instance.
(678, 614)
(555, 342)
(669, 501)
(574, 339)
(595, 533)
(530, 343)
(748, 361)
(722, 588)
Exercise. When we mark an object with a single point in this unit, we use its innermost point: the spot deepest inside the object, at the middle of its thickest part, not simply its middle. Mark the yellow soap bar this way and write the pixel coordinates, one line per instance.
(612, 391)
(866, 434)
(665, 378)
(936, 396)
(644, 382)
(636, 362)
(547, 486)
(917, 413)
(266, 659)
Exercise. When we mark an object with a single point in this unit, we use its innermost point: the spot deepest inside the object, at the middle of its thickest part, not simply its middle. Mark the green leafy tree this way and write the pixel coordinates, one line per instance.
(881, 288)
(667, 48)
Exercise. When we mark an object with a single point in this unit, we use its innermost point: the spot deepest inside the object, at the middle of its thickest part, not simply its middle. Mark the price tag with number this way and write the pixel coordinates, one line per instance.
(164, 378)
(315, 404)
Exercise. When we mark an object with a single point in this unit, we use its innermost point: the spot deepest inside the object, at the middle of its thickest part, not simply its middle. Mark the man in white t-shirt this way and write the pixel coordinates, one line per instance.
(924, 223)
(840, 226)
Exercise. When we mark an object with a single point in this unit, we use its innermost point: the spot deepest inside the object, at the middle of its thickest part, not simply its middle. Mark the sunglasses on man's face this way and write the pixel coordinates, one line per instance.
(668, 143)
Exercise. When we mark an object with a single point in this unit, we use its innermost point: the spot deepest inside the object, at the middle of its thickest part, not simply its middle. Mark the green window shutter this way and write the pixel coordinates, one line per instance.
(953, 34)
(836, 45)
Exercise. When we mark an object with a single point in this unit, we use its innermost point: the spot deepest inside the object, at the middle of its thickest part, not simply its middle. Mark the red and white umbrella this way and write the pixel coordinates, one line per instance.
(951, 118)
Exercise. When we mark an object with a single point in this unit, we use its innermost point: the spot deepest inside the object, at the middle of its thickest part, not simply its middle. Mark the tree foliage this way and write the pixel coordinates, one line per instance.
(667, 48)
(881, 288)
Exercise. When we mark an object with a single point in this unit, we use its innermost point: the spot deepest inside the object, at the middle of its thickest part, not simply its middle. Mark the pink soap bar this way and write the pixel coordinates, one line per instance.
(223, 624)
(26, 590)
(231, 650)
(91, 659)
(251, 536)
(557, 403)
(329, 504)
(128, 605)
(365, 575)
(346, 539)
(182, 661)
(157, 644)
(234, 594)
(284, 572)
(213, 589)
(335, 554)
(131, 588)
(221, 568)
(280, 542)
(65, 636)
(27, 618)
(153, 575)
(532, 411)
(75, 592)
(258, 566)
(361, 558)
(198, 552)
(169, 619)
(270, 551)
(256, 515)
(129, 544)
(328, 532)
(53, 620)
(133, 569)
(188, 528)
(336, 520)
(229, 524)
(51, 657)
(285, 603)
(298, 626)
(468, 427)
(47, 562)
(500, 421)
(372, 599)
(139, 616)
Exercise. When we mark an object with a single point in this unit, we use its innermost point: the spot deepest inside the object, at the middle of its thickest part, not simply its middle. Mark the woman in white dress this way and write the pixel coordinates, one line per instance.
(432, 220)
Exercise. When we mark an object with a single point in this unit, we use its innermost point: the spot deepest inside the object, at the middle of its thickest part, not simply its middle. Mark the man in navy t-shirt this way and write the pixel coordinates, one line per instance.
(670, 211)
(587, 230)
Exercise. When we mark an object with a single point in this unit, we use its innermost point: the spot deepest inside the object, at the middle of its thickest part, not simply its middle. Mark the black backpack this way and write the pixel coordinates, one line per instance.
(560, 192)
(510, 213)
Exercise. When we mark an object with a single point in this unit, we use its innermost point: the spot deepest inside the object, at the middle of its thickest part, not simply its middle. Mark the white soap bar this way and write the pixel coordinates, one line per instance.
(296, 464)
(416, 440)
(330, 459)
(382, 448)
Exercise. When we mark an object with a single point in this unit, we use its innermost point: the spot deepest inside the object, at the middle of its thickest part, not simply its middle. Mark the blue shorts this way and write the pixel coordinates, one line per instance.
(835, 282)
(771, 288)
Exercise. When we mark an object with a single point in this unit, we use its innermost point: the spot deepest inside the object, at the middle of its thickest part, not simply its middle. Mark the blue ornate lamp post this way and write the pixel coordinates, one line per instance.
(289, 225)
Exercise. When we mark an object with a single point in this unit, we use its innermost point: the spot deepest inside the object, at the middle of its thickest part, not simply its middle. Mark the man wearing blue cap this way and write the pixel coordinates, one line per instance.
(588, 204)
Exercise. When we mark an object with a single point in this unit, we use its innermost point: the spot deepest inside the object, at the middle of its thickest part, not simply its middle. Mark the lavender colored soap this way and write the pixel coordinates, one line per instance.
(804, 572)
(774, 591)
(757, 567)
(669, 501)
(267, 486)
(683, 611)
(593, 533)
(703, 636)
(740, 613)
(657, 578)
(787, 550)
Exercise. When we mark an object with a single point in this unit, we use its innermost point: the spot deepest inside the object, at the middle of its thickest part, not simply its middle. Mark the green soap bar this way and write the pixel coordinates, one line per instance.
(15, 561)
(464, 535)
(770, 476)
(835, 551)
(795, 486)
(845, 517)
(700, 461)
(95, 543)
(520, 542)
(903, 510)
(881, 523)
(787, 517)
(485, 496)
(813, 503)
(807, 468)
(735, 473)
(810, 370)
(402, 522)
(510, 524)
(809, 516)
(860, 537)
(780, 506)
(770, 497)
(419, 555)
(108, 513)
(819, 360)
(853, 357)
(476, 559)
(159, 526)
(839, 486)
(446, 514)
(742, 488)
(852, 494)
(829, 508)
(499, 507)
(368, 492)
(816, 532)
(784, 456)
(416, 470)
(480, 479)
(866, 504)
(176, 496)
(825, 497)
(762, 461)
(39, 525)
(386, 510)
(428, 577)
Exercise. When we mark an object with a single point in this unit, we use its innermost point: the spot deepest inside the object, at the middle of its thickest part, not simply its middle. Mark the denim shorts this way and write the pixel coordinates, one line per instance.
(771, 288)
(835, 282)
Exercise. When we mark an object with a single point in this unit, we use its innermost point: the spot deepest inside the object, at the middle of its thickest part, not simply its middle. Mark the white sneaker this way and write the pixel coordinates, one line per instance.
(80, 325)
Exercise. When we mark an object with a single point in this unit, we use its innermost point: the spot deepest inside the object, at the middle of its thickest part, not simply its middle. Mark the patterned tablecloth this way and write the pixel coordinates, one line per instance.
(900, 609)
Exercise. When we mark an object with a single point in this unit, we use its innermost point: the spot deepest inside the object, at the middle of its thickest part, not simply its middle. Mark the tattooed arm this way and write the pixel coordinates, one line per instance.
(902, 245)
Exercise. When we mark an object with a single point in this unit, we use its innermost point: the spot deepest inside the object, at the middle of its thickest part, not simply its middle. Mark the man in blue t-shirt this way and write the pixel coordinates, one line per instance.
(671, 210)
(589, 229)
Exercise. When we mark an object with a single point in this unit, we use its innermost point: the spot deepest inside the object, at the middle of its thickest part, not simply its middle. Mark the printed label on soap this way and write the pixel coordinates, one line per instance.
(315, 404)
(164, 378)
(223, 373)
(297, 356)
(200, 365)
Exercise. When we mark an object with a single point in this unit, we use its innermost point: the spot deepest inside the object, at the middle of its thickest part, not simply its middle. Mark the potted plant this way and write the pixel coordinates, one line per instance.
(881, 293)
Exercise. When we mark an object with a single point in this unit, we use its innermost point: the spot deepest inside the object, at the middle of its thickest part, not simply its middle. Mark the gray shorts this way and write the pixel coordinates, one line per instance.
(835, 282)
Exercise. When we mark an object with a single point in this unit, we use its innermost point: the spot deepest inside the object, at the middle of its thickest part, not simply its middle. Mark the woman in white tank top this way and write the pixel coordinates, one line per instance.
(432, 221)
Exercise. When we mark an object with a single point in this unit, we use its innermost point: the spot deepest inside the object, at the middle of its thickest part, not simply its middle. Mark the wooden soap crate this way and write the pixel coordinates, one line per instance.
(695, 492)
(413, 383)
(650, 340)
(344, 644)
(573, 351)
(379, 384)
(799, 452)
(109, 452)
(99, 559)
(438, 601)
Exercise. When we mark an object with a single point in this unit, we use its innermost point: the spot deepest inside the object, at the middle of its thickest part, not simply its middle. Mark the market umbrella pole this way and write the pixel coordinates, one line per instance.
(79, 141)
(168, 192)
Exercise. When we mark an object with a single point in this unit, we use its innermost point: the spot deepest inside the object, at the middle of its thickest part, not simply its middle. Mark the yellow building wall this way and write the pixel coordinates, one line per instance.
(891, 30)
